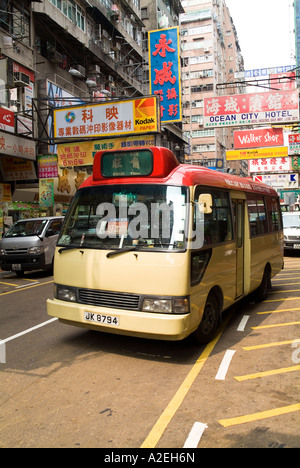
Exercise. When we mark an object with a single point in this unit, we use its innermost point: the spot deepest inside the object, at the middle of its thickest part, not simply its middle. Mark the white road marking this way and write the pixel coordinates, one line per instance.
(13, 337)
(224, 366)
(195, 435)
(243, 323)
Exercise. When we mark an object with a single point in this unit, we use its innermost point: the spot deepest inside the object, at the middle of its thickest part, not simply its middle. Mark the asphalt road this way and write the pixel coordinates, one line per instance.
(63, 386)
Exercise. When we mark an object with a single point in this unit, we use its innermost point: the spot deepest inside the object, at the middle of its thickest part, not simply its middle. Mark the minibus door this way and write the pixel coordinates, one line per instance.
(239, 218)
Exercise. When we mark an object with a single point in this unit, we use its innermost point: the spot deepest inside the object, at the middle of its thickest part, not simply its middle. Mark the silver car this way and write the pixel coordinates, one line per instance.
(30, 245)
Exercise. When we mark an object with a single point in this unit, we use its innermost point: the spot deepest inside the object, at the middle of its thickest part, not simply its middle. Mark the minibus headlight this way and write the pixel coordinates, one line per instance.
(65, 293)
(166, 306)
(163, 306)
(2, 252)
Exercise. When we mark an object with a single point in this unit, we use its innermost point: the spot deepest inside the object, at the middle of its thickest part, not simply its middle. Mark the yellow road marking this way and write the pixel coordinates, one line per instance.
(257, 416)
(285, 291)
(27, 287)
(8, 284)
(277, 311)
(285, 284)
(282, 299)
(267, 345)
(163, 421)
(284, 370)
(276, 325)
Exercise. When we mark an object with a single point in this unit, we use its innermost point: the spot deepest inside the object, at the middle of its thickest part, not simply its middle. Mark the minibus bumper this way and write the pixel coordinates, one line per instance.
(172, 327)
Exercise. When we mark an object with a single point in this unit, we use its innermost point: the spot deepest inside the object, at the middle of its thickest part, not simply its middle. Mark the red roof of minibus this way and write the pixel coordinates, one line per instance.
(168, 170)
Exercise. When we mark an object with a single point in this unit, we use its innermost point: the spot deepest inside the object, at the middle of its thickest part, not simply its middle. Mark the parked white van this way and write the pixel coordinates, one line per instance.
(30, 245)
(291, 230)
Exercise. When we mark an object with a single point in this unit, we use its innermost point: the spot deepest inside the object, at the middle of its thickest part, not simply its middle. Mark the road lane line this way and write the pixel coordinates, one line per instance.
(268, 345)
(166, 416)
(195, 435)
(243, 323)
(13, 337)
(258, 375)
(224, 366)
(276, 325)
(257, 416)
(8, 284)
(277, 311)
(281, 299)
(27, 287)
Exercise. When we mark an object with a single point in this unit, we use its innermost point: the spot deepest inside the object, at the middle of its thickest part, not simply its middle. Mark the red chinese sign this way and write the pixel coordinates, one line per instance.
(250, 109)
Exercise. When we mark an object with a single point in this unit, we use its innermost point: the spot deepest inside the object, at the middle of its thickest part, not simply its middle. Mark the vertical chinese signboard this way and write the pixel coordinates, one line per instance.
(164, 69)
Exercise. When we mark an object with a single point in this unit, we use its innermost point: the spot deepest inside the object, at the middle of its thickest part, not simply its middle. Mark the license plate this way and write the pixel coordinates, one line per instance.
(296, 246)
(16, 267)
(109, 320)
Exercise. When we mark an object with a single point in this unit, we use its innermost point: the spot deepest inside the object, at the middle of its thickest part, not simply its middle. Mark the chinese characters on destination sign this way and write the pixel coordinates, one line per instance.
(164, 72)
(248, 109)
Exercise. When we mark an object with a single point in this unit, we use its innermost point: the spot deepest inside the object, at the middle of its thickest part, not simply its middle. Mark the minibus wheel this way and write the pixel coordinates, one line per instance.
(262, 291)
(210, 321)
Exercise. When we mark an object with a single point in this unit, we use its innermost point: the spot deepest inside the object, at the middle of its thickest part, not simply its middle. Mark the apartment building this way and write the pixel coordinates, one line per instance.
(211, 56)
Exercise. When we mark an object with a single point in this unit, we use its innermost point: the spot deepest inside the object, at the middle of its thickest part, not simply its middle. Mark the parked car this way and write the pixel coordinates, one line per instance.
(30, 245)
(291, 230)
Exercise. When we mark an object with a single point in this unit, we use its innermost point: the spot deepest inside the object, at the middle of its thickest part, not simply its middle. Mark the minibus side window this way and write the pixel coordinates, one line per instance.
(218, 222)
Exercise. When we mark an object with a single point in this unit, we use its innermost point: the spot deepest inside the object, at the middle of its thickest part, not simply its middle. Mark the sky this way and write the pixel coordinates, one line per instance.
(264, 29)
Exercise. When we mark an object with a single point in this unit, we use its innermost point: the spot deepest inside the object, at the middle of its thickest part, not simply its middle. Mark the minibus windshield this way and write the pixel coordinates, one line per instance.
(127, 217)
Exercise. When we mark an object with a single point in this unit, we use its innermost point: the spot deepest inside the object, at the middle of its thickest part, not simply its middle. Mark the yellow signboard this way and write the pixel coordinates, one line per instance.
(82, 154)
(5, 193)
(257, 153)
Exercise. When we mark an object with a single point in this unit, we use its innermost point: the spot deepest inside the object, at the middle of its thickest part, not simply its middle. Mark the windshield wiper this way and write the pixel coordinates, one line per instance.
(69, 247)
(120, 251)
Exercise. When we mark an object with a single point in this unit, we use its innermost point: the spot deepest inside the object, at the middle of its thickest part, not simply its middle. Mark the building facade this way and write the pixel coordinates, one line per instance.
(211, 56)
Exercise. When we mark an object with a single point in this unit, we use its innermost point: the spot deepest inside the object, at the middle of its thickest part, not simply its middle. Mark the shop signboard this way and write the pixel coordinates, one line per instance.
(276, 107)
(113, 118)
(269, 165)
(256, 138)
(164, 71)
(257, 153)
(82, 154)
(12, 145)
(7, 120)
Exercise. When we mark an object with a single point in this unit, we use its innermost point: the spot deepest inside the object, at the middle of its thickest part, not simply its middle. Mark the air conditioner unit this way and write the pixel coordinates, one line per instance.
(94, 70)
(21, 80)
(55, 57)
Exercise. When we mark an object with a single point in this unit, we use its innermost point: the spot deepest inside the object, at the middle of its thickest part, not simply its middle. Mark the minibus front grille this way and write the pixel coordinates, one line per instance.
(114, 300)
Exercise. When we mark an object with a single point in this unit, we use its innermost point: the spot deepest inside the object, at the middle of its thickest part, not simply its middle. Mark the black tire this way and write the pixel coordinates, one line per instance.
(210, 321)
(20, 273)
(261, 293)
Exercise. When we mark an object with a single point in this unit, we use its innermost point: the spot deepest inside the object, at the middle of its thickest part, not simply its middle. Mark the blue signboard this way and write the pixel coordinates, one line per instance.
(164, 70)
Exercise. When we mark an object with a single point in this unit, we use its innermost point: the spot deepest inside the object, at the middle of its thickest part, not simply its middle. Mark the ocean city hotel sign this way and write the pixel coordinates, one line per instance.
(275, 107)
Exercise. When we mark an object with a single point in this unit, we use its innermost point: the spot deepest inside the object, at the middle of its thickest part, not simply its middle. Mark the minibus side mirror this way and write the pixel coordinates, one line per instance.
(205, 203)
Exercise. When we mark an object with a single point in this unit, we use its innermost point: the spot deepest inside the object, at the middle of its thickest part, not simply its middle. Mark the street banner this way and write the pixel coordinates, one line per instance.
(258, 138)
(111, 118)
(257, 153)
(46, 193)
(47, 166)
(252, 109)
(164, 71)
(269, 165)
